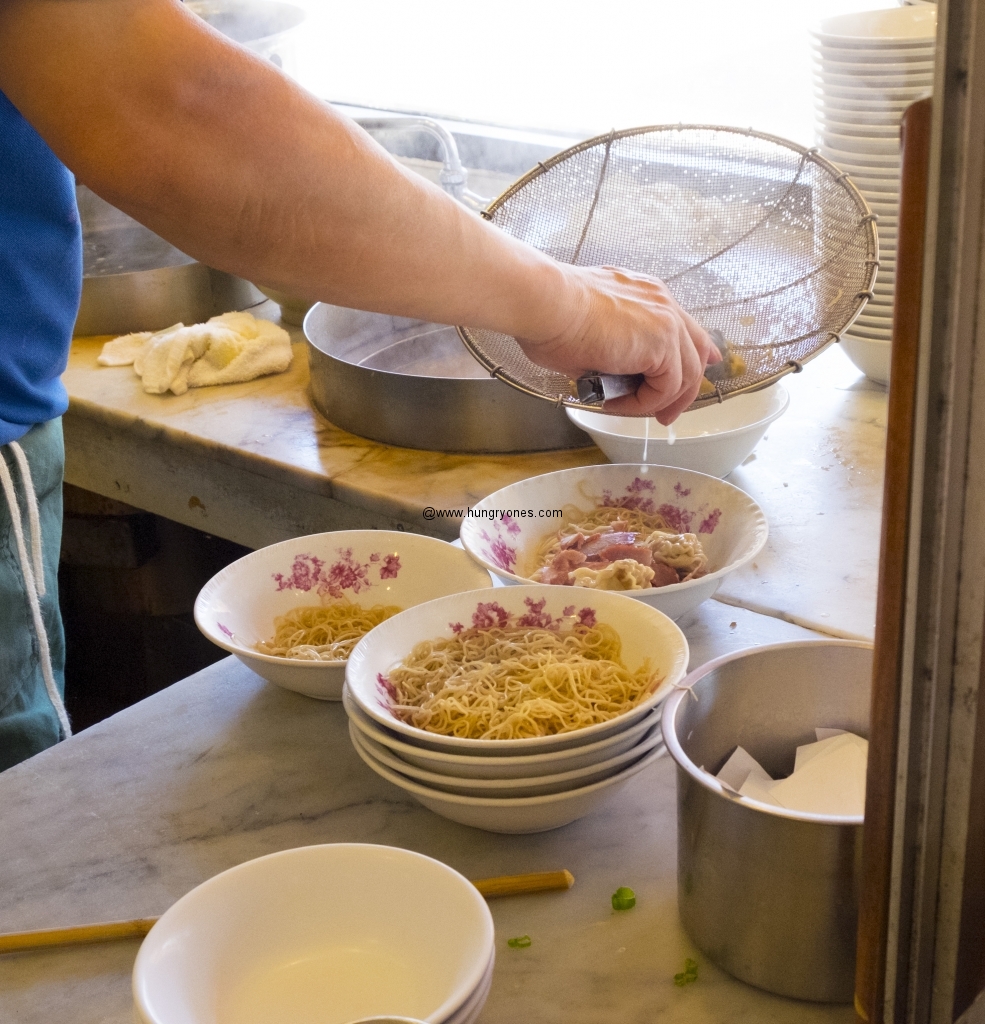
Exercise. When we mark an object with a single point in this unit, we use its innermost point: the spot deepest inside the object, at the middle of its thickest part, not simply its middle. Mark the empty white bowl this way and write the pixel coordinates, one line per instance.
(645, 633)
(730, 525)
(861, 334)
(892, 26)
(863, 163)
(875, 84)
(862, 101)
(904, 70)
(318, 935)
(860, 115)
(880, 321)
(536, 785)
(514, 815)
(886, 188)
(711, 440)
(521, 766)
(875, 323)
(872, 55)
(866, 150)
(870, 355)
(863, 131)
(237, 607)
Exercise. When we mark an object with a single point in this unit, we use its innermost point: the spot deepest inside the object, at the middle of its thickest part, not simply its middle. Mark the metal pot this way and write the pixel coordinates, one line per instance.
(769, 895)
(413, 384)
(136, 281)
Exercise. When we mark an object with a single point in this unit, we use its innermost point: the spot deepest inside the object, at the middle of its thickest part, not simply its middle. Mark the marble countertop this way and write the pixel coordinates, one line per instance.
(124, 818)
(256, 464)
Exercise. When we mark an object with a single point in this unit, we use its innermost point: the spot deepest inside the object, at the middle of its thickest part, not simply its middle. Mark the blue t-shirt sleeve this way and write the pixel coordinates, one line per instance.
(40, 275)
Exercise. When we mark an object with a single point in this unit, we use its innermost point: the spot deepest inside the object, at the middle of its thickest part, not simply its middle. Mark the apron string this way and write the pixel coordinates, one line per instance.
(31, 576)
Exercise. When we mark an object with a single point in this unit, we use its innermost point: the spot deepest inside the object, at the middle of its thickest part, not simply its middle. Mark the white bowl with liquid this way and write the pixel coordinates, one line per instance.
(713, 440)
(320, 935)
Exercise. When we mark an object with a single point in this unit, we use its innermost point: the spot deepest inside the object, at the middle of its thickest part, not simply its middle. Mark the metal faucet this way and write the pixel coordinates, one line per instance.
(453, 177)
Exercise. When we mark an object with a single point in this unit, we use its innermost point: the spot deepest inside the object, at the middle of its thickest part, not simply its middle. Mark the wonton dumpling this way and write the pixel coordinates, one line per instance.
(623, 574)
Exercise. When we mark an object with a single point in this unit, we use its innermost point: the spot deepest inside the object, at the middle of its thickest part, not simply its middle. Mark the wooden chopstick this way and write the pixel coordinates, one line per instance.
(15, 941)
(491, 888)
(519, 885)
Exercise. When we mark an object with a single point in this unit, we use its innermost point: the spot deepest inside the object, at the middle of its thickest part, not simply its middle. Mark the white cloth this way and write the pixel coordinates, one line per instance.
(229, 348)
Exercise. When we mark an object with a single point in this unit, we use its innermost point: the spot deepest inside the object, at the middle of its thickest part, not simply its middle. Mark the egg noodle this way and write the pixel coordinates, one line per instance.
(515, 682)
(323, 632)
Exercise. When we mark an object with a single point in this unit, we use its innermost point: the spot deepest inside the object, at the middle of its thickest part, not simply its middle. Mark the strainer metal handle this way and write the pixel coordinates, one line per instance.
(597, 388)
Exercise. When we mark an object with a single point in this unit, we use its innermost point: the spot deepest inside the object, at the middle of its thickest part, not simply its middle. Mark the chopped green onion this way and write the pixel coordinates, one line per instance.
(688, 975)
(623, 898)
(520, 942)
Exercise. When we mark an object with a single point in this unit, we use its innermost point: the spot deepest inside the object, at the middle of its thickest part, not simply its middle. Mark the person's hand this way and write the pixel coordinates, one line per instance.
(619, 322)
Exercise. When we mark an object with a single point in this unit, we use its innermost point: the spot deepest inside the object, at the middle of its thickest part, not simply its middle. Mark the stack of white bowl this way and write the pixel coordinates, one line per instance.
(513, 785)
(869, 68)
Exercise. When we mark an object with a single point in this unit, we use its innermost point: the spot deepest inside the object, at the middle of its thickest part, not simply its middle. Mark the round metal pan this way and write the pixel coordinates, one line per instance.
(413, 384)
(136, 281)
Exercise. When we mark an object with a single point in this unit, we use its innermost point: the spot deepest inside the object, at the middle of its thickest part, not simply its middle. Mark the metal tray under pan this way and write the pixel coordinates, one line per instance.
(412, 384)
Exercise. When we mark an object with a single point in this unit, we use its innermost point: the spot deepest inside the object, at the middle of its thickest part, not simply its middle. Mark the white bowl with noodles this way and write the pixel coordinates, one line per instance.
(730, 526)
(521, 766)
(712, 440)
(514, 815)
(236, 609)
(536, 785)
(326, 933)
(652, 647)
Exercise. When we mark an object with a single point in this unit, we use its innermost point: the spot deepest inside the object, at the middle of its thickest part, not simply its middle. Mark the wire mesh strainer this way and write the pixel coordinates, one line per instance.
(757, 238)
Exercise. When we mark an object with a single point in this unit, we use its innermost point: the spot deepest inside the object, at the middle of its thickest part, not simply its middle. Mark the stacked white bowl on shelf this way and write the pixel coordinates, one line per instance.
(868, 68)
(522, 785)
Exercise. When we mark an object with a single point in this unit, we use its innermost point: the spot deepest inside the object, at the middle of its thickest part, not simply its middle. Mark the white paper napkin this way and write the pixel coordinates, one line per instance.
(828, 776)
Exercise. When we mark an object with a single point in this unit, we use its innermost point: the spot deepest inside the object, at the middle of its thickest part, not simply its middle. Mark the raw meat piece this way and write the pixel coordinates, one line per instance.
(557, 573)
(663, 575)
(596, 546)
(614, 552)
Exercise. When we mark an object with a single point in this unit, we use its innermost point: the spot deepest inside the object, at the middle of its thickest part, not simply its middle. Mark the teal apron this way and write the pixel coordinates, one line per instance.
(29, 716)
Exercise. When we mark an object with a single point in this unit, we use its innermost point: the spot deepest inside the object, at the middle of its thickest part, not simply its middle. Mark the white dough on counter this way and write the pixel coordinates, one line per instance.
(229, 348)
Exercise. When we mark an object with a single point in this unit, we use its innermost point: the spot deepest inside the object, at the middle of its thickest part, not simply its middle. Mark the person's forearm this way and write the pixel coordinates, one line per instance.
(239, 167)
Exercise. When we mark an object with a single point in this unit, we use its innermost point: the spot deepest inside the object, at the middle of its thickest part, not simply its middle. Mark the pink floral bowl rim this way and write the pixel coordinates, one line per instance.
(645, 633)
(238, 605)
